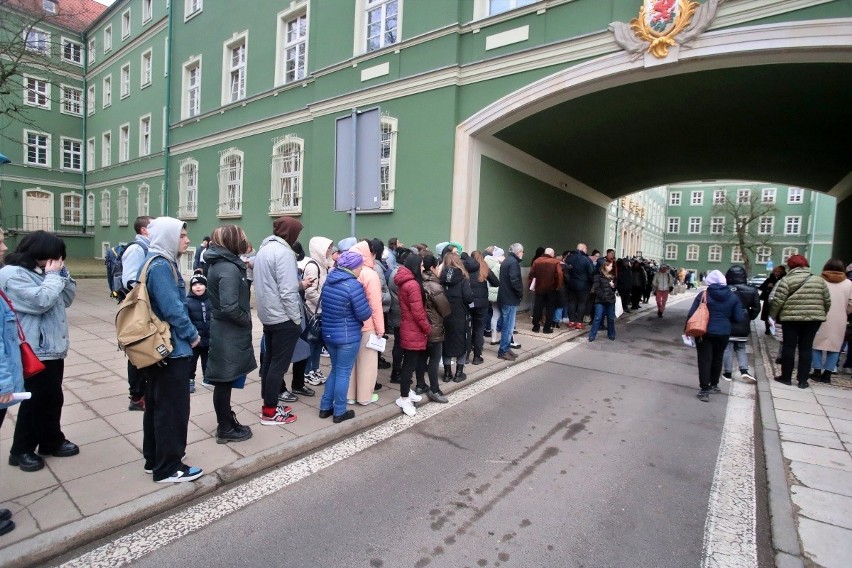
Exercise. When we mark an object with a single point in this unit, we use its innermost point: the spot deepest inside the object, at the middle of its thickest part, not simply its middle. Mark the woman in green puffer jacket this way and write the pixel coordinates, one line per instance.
(801, 304)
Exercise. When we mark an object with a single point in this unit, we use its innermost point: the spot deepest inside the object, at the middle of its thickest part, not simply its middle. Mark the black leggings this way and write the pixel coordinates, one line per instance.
(429, 360)
(222, 404)
(710, 350)
(798, 334)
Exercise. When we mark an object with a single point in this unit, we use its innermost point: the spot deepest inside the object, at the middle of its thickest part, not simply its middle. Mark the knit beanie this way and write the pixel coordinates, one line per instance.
(350, 260)
(797, 261)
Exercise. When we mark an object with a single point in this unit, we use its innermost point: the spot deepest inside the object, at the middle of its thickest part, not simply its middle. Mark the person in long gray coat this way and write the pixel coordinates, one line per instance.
(231, 351)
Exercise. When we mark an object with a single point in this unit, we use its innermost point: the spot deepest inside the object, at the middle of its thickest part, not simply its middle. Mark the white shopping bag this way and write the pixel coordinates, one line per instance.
(376, 343)
(619, 307)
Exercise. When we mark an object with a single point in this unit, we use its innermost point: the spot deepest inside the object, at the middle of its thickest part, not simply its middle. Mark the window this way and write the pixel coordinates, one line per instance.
(36, 92)
(125, 80)
(49, 6)
(147, 10)
(92, 50)
(694, 225)
(717, 225)
(792, 225)
(714, 253)
(763, 255)
(124, 143)
(72, 52)
(382, 23)
(90, 101)
(231, 183)
(143, 200)
(37, 40)
(145, 69)
(72, 209)
(500, 6)
(696, 198)
(766, 226)
(188, 207)
(674, 225)
(107, 38)
(123, 205)
(72, 100)
(743, 196)
(106, 149)
(125, 24)
(106, 208)
(286, 191)
(719, 197)
(90, 154)
(674, 198)
(37, 148)
(72, 154)
(292, 46)
(671, 252)
(107, 90)
(191, 8)
(234, 72)
(388, 162)
(795, 195)
(191, 104)
(692, 253)
(736, 254)
(767, 195)
(787, 253)
(90, 210)
(145, 135)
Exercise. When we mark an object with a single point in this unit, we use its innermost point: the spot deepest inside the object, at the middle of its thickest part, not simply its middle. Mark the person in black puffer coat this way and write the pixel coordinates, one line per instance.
(456, 285)
(198, 308)
(624, 282)
(740, 331)
(603, 292)
(480, 278)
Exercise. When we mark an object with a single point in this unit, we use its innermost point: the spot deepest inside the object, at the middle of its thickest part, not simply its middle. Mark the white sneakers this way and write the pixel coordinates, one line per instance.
(407, 405)
(414, 397)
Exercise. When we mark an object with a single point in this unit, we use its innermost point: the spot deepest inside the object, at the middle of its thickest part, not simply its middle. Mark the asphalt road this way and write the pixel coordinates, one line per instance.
(600, 457)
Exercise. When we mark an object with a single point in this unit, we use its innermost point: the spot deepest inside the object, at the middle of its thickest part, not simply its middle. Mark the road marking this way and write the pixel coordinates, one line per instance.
(730, 531)
(146, 540)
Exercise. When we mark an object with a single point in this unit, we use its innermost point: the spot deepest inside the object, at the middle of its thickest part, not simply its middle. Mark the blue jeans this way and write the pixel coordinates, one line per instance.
(508, 314)
(602, 310)
(831, 360)
(337, 383)
(738, 347)
(314, 357)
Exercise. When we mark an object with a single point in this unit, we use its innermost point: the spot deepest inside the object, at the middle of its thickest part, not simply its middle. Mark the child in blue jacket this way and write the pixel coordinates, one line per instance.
(199, 308)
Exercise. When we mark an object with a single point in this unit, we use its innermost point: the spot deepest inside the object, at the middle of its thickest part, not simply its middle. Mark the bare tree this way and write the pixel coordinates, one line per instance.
(742, 223)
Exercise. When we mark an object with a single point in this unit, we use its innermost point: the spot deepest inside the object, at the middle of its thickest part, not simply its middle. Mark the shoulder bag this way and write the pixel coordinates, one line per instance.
(32, 365)
(696, 325)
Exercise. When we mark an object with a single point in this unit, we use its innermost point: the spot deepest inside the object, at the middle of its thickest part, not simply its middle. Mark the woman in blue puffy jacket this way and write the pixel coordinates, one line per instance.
(344, 309)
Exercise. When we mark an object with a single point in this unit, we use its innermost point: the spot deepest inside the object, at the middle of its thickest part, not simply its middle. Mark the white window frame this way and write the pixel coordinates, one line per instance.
(231, 183)
(763, 255)
(787, 252)
(108, 38)
(90, 209)
(146, 68)
(694, 225)
(188, 199)
(124, 81)
(67, 100)
(91, 101)
(188, 109)
(46, 148)
(106, 148)
(387, 177)
(143, 200)
(106, 208)
(106, 91)
(692, 253)
(91, 152)
(234, 73)
(673, 223)
(124, 142)
(145, 137)
(674, 199)
(284, 46)
(714, 253)
(671, 252)
(123, 206)
(795, 195)
(69, 209)
(792, 222)
(288, 171)
(49, 6)
(92, 50)
(696, 198)
(72, 44)
(719, 196)
(362, 9)
(766, 225)
(768, 195)
(147, 11)
(192, 8)
(39, 42)
(126, 24)
(37, 92)
(743, 196)
(717, 225)
(736, 254)
(482, 8)
(70, 153)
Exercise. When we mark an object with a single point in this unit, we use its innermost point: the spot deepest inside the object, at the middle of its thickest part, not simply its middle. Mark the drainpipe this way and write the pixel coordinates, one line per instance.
(84, 109)
(167, 118)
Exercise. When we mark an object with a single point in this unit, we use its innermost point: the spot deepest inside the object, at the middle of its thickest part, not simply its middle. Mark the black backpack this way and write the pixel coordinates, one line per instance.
(115, 269)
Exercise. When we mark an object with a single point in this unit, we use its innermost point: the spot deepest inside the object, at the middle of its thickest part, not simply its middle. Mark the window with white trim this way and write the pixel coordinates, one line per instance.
(106, 208)
(287, 167)
(671, 252)
(106, 149)
(694, 225)
(191, 100)
(37, 40)
(736, 254)
(90, 154)
(108, 38)
(107, 91)
(673, 225)
(72, 209)
(235, 68)
(36, 92)
(767, 195)
(123, 206)
(143, 200)
(90, 100)
(72, 154)
(124, 143)
(125, 80)
(719, 197)
(145, 135)
(49, 6)
(37, 148)
(692, 253)
(743, 196)
(766, 225)
(717, 225)
(146, 69)
(787, 252)
(92, 50)
(714, 253)
(792, 225)
(696, 198)
(147, 10)
(674, 198)
(499, 6)
(72, 100)
(795, 195)
(90, 210)
(125, 24)
(230, 183)
(388, 161)
(72, 52)
(191, 8)
(381, 20)
(188, 206)
(291, 46)
(764, 254)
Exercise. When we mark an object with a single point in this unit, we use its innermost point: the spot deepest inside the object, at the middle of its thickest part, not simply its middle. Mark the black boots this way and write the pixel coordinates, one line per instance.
(232, 431)
(824, 377)
(448, 373)
(460, 376)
